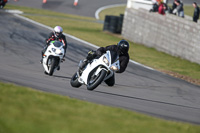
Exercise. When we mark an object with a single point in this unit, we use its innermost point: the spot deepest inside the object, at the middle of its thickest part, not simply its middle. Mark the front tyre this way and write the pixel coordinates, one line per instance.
(95, 80)
(52, 66)
(74, 81)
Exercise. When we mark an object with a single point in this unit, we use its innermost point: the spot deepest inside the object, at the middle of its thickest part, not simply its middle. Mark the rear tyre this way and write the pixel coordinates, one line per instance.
(111, 80)
(45, 72)
(94, 81)
(74, 81)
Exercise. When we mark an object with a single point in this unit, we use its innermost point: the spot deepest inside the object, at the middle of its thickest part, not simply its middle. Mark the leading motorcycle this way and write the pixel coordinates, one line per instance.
(98, 70)
(52, 57)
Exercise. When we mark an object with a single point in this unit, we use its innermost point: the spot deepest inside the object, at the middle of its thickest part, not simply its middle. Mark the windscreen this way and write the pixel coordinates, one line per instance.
(114, 56)
(57, 44)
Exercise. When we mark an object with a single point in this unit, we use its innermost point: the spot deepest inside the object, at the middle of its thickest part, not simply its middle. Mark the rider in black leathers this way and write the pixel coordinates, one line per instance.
(121, 48)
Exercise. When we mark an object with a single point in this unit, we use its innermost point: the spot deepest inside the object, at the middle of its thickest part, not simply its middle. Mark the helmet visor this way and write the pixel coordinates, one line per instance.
(58, 34)
(122, 50)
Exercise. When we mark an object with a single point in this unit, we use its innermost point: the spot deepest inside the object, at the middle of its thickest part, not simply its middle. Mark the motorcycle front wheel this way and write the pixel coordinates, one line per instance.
(95, 80)
(52, 65)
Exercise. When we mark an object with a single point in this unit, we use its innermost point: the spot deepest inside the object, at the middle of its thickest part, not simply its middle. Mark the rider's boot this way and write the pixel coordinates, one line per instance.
(58, 68)
(82, 65)
(63, 59)
(42, 53)
(41, 61)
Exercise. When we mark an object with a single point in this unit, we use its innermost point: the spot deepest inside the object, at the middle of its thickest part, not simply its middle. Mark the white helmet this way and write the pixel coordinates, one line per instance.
(58, 31)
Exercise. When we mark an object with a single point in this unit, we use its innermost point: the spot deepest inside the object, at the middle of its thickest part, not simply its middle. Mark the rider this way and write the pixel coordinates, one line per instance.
(121, 48)
(55, 35)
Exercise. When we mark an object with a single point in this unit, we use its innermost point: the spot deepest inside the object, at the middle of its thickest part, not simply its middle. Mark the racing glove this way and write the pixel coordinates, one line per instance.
(91, 55)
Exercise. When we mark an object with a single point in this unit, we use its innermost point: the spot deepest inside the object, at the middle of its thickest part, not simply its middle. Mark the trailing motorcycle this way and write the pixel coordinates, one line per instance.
(3, 3)
(53, 57)
(96, 71)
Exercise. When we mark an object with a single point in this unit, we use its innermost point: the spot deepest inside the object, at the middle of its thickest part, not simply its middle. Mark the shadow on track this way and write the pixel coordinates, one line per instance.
(52, 4)
(63, 77)
(143, 99)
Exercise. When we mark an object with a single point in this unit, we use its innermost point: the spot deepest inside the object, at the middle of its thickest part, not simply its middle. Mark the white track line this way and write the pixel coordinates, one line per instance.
(106, 7)
(14, 11)
(73, 37)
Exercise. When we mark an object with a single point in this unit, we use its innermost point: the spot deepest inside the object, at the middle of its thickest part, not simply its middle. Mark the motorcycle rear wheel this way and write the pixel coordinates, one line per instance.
(74, 81)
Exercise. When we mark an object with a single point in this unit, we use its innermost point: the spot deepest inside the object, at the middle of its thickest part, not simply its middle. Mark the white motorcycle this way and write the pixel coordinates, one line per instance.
(96, 71)
(53, 57)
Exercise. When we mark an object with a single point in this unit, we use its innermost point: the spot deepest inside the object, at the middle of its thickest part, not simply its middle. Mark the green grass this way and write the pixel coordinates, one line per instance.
(23, 110)
(188, 10)
(116, 11)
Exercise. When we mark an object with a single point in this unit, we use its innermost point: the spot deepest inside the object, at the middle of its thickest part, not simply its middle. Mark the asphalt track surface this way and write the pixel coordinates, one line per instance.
(138, 89)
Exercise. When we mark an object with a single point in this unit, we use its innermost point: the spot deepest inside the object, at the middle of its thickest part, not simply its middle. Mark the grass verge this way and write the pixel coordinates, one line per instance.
(25, 110)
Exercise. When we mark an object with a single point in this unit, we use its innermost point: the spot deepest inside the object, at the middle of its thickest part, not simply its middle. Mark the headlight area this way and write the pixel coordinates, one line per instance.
(105, 60)
(57, 51)
(114, 68)
(53, 49)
